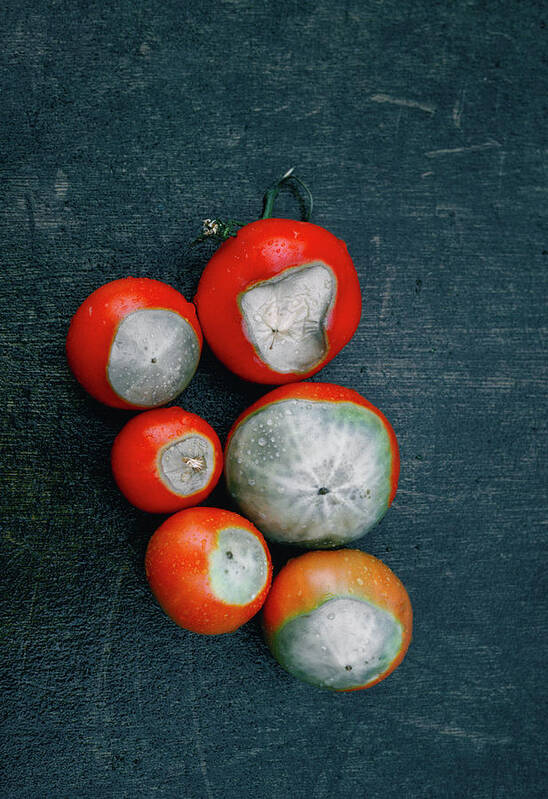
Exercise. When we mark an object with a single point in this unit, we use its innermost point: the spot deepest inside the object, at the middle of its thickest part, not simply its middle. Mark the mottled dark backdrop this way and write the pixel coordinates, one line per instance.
(420, 127)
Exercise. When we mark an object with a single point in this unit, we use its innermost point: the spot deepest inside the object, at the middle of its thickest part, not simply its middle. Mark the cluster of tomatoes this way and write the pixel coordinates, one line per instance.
(310, 464)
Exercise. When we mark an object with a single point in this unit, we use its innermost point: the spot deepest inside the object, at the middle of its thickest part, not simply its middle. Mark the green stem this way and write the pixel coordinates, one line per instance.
(271, 194)
(222, 230)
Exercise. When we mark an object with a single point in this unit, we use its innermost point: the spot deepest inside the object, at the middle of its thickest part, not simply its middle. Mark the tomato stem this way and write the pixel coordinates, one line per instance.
(271, 194)
(222, 230)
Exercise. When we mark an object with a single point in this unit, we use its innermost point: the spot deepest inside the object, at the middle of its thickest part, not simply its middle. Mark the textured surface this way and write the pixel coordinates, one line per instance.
(421, 129)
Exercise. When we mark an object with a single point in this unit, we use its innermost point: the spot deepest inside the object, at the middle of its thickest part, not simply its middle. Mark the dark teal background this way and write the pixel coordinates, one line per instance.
(421, 129)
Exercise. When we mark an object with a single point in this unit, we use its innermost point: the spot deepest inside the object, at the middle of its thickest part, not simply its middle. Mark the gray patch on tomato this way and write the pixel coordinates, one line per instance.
(186, 466)
(344, 643)
(238, 566)
(153, 357)
(285, 317)
(311, 473)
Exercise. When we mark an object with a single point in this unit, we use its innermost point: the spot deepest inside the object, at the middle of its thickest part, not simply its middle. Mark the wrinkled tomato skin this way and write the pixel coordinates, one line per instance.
(176, 567)
(260, 251)
(308, 580)
(96, 321)
(135, 453)
(325, 392)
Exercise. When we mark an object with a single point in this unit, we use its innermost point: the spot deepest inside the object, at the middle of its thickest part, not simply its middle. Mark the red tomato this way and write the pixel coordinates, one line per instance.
(340, 620)
(166, 459)
(312, 464)
(134, 343)
(280, 299)
(209, 569)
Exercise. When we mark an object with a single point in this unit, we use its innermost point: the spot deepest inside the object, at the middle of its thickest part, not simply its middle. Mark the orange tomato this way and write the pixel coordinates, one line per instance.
(134, 343)
(209, 569)
(312, 464)
(338, 619)
(264, 290)
(166, 459)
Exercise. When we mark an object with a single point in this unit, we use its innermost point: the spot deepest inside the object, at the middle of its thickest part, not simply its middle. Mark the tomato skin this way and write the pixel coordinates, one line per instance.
(260, 251)
(308, 580)
(324, 392)
(135, 453)
(176, 566)
(95, 323)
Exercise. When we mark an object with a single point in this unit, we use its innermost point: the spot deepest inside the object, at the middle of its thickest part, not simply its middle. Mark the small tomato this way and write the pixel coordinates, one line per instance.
(166, 459)
(312, 464)
(209, 569)
(134, 343)
(340, 620)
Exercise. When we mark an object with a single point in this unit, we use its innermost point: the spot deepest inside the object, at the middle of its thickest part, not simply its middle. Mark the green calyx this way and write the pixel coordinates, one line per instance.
(218, 229)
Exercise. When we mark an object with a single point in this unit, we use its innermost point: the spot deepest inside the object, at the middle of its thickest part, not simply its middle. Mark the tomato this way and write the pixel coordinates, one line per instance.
(279, 298)
(166, 459)
(340, 620)
(134, 343)
(312, 464)
(209, 569)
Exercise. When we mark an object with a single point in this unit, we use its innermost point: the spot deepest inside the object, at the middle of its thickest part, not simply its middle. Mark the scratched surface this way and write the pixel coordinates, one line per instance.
(420, 128)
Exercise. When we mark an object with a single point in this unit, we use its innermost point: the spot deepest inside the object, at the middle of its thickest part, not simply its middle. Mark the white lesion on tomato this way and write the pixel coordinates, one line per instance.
(285, 317)
(238, 566)
(345, 642)
(153, 356)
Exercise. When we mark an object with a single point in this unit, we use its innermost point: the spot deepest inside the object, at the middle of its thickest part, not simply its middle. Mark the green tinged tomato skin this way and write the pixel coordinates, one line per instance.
(238, 566)
(341, 643)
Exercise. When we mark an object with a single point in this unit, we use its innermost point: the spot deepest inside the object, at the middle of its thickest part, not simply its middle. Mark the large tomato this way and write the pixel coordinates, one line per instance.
(166, 459)
(340, 620)
(312, 464)
(209, 569)
(278, 300)
(134, 343)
